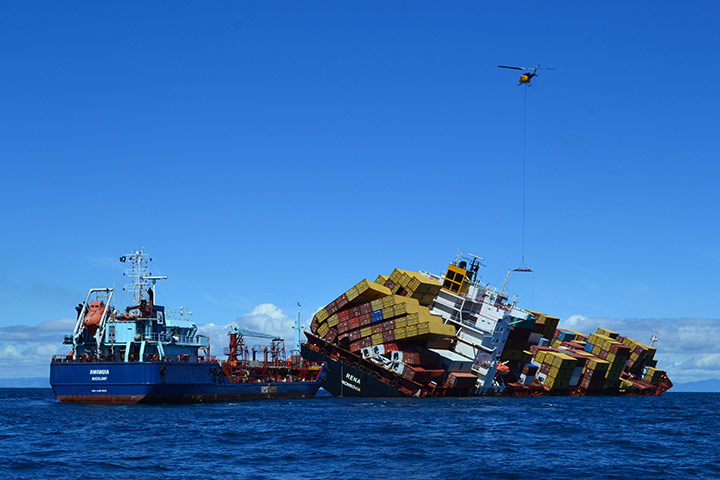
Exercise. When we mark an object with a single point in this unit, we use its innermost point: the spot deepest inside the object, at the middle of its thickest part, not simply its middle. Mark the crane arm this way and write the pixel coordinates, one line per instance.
(250, 333)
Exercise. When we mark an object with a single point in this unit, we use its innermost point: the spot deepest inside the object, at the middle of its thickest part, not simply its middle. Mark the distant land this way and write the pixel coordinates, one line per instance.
(32, 382)
(711, 385)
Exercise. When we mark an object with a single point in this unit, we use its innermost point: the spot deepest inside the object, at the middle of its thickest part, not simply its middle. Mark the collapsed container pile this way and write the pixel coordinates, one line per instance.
(420, 334)
(600, 363)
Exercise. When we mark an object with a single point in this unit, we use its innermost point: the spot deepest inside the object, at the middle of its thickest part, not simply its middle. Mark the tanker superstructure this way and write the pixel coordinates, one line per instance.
(144, 355)
(422, 334)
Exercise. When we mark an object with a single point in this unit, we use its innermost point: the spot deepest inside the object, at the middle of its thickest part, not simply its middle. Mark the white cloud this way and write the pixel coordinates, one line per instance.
(62, 325)
(33, 361)
(264, 318)
(8, 354)
(49, 331)
(579, 323)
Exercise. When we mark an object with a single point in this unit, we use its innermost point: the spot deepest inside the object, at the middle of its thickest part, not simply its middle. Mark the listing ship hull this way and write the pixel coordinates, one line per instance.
(343, 379)
(414, 333)
(164, 382)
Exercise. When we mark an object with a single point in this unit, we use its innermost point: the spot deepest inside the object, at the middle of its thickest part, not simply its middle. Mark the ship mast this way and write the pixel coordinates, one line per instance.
(140, 275)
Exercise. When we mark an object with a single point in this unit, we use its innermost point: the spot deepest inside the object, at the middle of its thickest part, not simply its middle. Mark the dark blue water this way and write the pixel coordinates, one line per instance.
(673, 436)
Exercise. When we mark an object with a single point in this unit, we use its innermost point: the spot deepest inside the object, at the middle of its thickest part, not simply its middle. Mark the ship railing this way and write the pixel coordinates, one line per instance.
(457, 317)
(147, 359)
(196, 340)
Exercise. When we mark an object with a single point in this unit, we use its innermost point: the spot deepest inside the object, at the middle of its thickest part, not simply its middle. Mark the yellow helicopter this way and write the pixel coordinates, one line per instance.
(528, 73)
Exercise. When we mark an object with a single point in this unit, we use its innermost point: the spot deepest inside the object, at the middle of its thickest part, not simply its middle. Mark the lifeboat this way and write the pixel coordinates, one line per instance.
(94, 316)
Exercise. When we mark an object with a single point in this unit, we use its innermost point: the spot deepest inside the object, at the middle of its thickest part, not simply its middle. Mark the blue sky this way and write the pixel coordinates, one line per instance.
(271, 152)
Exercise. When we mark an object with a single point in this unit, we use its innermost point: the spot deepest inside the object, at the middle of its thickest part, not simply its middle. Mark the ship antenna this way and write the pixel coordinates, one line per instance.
(297, 330)
(139, 274)
(654, 337)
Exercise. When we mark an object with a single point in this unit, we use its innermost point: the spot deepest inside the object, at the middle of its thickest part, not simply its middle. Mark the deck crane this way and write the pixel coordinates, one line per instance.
(238, 351)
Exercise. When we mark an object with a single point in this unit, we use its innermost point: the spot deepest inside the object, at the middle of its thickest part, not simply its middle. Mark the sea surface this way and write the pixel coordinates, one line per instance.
(675, 436)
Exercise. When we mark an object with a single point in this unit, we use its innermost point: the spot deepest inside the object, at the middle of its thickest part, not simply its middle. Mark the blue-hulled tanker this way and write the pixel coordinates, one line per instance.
(142, 355)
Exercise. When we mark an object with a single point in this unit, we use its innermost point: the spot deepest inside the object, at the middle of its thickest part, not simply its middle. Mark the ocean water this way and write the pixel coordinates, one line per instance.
(676, 435)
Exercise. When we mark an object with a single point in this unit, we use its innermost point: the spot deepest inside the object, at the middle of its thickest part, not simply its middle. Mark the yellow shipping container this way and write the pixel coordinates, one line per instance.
(366, 331)
(381, 279)
(352, 294)
(654, 375)
(395, 276)
(423, 328)
(404, 280)
(540, 356)
(411, 331)
(377, 338)
(607, 333)
(333, 320)
(368, 290)
(388, 301)
(598, 365)
(430, 326)
(322, 315)
(377, 304)
(323, 329)
(400, 333)
(422, 288)
(560, 360)
(401, 321)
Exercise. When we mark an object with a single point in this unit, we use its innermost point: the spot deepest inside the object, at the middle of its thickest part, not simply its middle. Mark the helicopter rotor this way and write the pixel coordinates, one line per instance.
(527, 69)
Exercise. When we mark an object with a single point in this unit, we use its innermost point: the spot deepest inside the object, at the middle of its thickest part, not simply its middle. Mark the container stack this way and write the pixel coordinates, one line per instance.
(387, 322)
(545, 325)
(602, 362)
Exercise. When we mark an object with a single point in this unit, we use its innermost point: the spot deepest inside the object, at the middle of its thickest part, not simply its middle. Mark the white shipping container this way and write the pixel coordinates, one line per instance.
(526, 379)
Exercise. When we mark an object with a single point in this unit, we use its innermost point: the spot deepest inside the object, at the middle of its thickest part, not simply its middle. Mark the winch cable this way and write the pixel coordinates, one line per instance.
(523, 173)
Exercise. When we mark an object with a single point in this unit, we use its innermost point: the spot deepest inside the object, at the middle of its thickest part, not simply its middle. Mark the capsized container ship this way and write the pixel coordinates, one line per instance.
(143, 355)
(420, 334)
